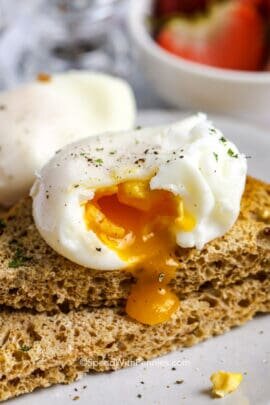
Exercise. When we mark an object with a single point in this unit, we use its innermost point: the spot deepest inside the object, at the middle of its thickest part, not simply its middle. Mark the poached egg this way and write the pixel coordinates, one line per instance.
(39, 118)
(127, 200)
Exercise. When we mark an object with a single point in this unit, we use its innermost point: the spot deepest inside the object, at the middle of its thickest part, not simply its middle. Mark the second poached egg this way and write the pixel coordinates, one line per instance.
(39, 118)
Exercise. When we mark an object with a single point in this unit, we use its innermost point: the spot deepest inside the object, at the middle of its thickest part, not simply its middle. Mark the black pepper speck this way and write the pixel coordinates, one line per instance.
(139, 161)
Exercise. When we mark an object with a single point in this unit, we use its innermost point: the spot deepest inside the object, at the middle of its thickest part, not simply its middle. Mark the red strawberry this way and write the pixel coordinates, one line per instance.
(164, 8)
(257, 3)
(263, 6)
(231, 36)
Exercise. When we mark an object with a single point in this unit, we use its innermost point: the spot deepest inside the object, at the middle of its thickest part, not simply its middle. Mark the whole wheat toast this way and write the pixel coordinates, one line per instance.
(38, 350)
(222, 286)
(32, 275)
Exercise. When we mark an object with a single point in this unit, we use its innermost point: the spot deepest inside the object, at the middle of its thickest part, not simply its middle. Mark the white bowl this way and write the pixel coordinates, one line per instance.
(190, 85)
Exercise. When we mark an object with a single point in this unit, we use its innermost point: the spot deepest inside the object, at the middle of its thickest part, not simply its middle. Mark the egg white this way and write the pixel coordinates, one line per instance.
(39, 118)
(190, 159)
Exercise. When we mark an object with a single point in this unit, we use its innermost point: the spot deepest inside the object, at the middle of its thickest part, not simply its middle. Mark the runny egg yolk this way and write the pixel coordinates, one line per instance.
(140, 225)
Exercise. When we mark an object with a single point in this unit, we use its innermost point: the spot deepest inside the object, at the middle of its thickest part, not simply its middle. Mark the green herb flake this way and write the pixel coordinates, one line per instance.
(99, 149)
(138, 128)
(2, 225)
(113, 152)
(223, 139)
(99, 161)
(231, 153)
(216, 156)
(25, 348)
(213, 130)
(19, 259)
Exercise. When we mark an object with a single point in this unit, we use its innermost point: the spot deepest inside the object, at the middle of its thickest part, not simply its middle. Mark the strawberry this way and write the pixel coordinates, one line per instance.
(263, 6)
(268, 66)
(164, 8)
(231, 36)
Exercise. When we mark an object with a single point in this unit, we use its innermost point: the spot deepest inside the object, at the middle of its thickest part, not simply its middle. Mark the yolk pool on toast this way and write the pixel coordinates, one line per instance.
(138, 224)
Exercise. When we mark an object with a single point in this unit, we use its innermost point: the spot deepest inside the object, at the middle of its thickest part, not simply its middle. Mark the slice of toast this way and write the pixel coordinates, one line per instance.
(38, 350)
(32, 275)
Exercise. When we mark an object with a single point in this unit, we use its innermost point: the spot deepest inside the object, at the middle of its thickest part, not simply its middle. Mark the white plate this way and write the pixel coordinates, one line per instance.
(245, 349)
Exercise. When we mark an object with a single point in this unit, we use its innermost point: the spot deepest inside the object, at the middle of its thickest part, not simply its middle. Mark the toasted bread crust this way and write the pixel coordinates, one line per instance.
(38, 350)
(46, 281)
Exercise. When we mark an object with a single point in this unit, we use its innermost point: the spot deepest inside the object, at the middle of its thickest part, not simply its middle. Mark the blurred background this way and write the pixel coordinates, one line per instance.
(57, 35)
